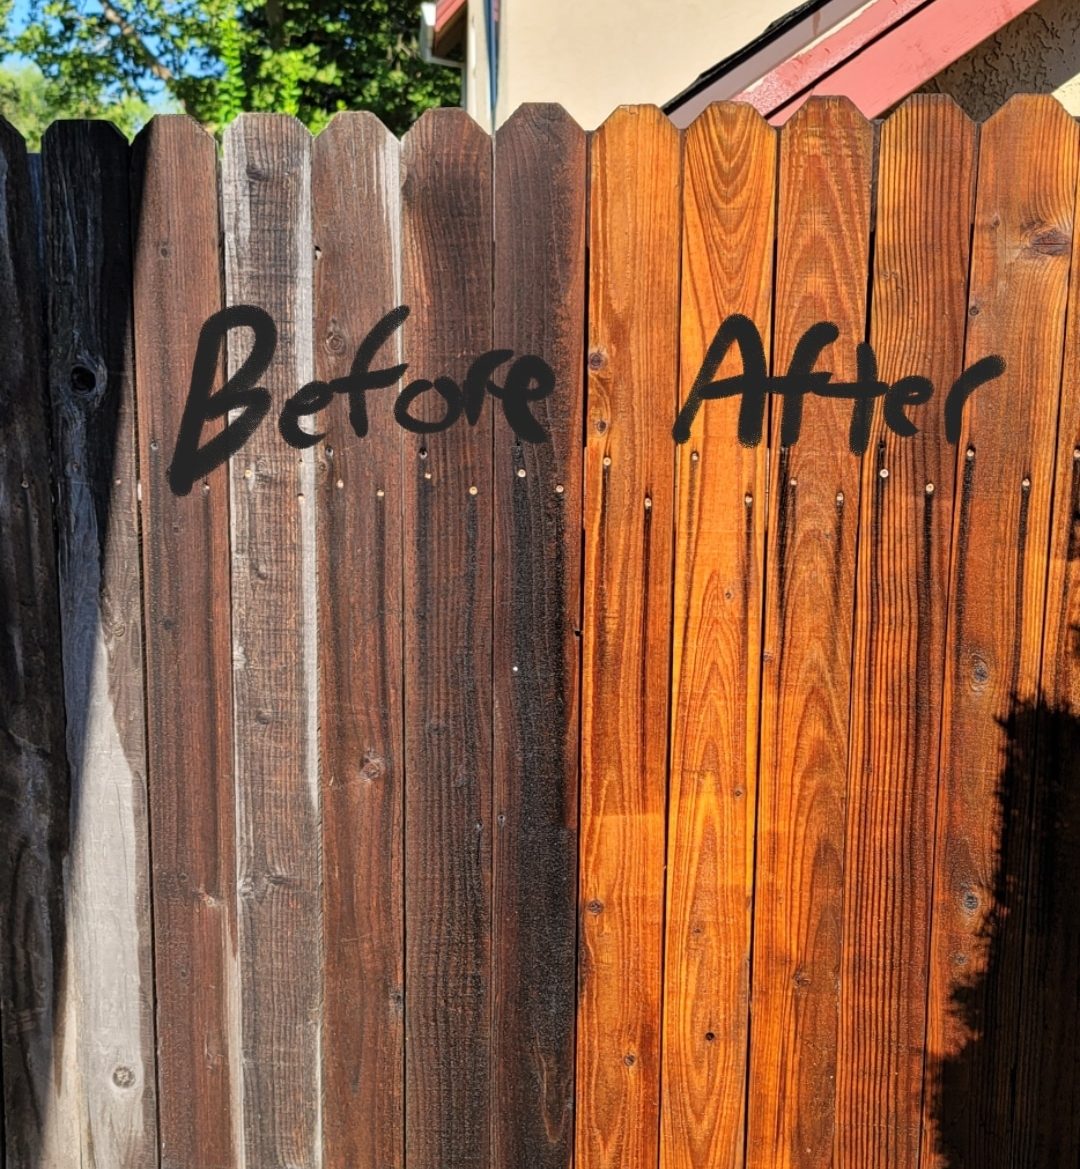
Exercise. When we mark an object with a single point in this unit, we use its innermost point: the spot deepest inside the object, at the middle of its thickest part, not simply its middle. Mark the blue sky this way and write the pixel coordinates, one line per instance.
(20, 14)
(18, 18)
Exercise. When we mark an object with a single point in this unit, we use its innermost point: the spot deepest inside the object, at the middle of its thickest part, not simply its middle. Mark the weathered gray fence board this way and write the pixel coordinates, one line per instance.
(39, 1124)
(268, 262)
(108, 984)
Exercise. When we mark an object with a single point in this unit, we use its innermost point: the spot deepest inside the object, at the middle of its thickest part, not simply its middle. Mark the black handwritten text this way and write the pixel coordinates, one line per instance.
(753, 386)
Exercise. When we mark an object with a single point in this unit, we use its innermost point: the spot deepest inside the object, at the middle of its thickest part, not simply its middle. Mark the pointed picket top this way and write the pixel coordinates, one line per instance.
(633, 140)
(726, 117)
(1029, 106)
(442, 123)
(1014, 171)
(731, 136)
(9, 135)
(169, 131)
(544, 135)
(937, 106)
(362, 142)
(245, 125)
(94, 129)
(832, 134)
(625, 120)
(552, 115)
(363, 125)
(823, 110)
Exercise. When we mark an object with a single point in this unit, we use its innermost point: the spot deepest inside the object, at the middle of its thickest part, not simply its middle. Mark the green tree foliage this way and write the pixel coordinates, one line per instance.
(30, 102)
(217, 58)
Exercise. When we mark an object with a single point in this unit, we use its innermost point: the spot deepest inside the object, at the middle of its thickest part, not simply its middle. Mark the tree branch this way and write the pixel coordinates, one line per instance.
(130, 33)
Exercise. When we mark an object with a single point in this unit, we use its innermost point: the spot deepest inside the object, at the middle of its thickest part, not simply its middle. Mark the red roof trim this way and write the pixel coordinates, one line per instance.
(449, 25)
(881, 56)
(792, 77)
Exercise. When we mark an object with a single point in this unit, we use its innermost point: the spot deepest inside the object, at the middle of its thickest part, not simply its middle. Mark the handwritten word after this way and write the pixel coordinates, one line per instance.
(528, 379)
(754, 385)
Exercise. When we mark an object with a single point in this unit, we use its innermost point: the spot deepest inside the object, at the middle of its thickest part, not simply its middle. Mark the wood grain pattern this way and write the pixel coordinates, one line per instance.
(539, 297)
(446, 279)
(109, 979)
(268, 262)
(185, 561)
(925, 196)
(729, 213)
(1018, 287)
(424, 893)
(358, 280)
(634, 224)
(39, 1128)
(822, 255)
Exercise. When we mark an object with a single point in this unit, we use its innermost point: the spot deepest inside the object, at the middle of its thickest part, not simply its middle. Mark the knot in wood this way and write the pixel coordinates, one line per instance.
(1051, 242)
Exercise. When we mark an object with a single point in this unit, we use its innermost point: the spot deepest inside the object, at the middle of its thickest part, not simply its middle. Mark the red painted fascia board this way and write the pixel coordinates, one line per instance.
(805, 69)
(901, 57)
(449, 24)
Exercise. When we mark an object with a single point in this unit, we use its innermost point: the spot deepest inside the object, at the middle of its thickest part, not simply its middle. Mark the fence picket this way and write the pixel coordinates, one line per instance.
(729, 215)
(634, 225)
(539, 287)
(822, 253)
(185, 561)
(447, 476)
(89, 297)
(268, 263)
(1048, 1088)
(918, 311)
(39, 1126)
(1028, 165)
(355, 186)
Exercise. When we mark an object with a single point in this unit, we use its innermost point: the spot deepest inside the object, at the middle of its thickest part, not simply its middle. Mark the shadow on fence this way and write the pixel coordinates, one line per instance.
(1011, 1094)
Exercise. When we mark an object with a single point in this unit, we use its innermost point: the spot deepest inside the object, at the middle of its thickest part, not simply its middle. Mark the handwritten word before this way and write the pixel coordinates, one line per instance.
(527, 380)
(754, 385)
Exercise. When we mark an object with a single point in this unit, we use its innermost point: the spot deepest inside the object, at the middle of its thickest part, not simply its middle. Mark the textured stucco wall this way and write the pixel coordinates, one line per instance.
(1038, 52)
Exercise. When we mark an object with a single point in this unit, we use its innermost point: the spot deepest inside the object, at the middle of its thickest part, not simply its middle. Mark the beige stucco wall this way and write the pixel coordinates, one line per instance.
(1038, 52)
(593, 55)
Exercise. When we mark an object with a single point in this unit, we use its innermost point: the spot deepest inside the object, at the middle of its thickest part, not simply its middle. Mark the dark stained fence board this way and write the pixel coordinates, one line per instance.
(729, 214)
(185, 564)
(39, 1127)
(356, 229)
(822, 254)
(268, 262)
(539, 297)
(446, 281)
(110, 1053)
(925, 190)
(634, 233)
(983, 901)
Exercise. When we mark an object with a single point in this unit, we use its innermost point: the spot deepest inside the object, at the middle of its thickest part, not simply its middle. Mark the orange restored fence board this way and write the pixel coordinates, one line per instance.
(729, 217)
(925, 188)
(634, 241)
(977, 1084)
(542, 650)
(822, 251)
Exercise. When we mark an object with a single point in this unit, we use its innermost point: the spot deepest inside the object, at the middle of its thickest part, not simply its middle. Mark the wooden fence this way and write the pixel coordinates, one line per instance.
(471, 774)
